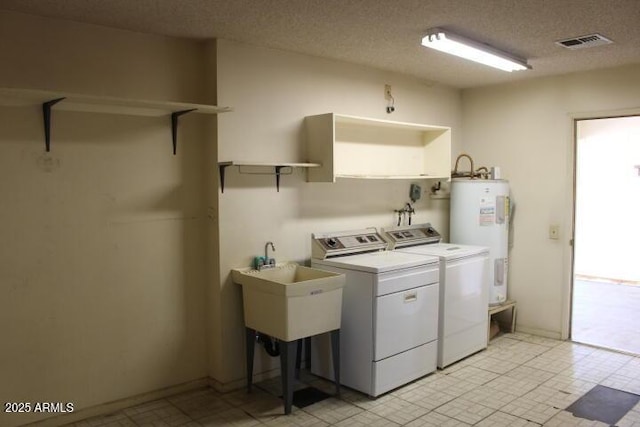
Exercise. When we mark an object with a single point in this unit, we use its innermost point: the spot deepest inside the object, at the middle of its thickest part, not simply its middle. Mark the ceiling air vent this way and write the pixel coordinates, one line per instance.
(591, 40)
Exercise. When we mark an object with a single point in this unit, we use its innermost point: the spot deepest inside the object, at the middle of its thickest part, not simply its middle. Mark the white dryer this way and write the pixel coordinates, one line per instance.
(388, 334)
(464, 289)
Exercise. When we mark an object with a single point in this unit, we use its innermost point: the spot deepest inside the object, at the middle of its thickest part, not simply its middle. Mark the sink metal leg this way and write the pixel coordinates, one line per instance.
(250, 339)
(307, 352)
(287, 369)
(298, 357)
(335, 356)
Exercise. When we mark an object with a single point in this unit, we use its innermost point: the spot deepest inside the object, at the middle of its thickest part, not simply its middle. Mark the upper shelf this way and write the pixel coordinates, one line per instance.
(277, 168)
(421, 176)
(344, 119)
(270, 164)
(101, 104)
(14, 97)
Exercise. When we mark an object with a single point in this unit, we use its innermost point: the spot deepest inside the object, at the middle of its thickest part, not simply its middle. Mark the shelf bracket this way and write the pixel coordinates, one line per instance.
(174, 126)
(222, 166)
(46, 115)
(278, 168)
(222, 169)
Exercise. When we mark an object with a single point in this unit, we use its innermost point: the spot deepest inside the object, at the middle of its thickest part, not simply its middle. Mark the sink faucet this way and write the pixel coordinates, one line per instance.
(268, 262)
(266, 249)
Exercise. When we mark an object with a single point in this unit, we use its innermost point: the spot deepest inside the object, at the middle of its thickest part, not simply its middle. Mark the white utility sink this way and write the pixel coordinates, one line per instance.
(290, 301)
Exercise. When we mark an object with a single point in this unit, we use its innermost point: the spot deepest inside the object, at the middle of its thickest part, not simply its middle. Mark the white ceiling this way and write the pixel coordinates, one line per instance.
(384, 34)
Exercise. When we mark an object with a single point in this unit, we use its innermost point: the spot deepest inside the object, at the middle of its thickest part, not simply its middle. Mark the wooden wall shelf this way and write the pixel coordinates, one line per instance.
(48, 100)
(276, 166)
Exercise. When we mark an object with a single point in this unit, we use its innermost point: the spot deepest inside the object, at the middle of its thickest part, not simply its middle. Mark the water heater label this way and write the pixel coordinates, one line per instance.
(487, 214)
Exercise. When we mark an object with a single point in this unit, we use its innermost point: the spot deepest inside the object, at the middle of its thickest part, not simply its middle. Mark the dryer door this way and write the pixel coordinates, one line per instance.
(466, 295)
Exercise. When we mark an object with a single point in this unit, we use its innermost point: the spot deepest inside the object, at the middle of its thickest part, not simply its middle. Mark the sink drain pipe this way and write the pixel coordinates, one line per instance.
(271, 345)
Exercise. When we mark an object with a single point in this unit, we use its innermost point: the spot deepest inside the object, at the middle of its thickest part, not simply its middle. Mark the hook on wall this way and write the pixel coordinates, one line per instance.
(390, 99)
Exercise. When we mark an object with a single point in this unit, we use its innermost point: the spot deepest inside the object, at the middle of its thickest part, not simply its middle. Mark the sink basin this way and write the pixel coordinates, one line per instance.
(291, 301)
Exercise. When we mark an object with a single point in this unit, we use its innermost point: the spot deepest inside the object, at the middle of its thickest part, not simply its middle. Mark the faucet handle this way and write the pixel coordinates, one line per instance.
(258, 262)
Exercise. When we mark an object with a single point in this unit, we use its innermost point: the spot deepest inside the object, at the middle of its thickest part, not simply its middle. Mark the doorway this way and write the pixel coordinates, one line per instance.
(606, 271)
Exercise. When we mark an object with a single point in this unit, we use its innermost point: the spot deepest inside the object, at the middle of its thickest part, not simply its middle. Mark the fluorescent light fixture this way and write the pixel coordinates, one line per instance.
(448, 42)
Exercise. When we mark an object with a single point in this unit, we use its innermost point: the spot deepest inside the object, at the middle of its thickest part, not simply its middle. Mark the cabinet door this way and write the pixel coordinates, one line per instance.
(404, 320)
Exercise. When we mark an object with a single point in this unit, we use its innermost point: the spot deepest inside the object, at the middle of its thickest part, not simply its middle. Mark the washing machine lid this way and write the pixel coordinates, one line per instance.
(378, 262)
(446, 251)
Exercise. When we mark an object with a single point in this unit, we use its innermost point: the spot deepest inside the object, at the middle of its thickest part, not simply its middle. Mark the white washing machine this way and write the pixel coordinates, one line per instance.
(389, 329)
(464, 289)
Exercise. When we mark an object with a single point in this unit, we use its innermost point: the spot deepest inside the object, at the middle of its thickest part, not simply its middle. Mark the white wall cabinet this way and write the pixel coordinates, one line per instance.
(357, 147)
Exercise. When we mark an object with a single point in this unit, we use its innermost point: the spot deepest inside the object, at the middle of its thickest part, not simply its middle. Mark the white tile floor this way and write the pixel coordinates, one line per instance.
(520, 380)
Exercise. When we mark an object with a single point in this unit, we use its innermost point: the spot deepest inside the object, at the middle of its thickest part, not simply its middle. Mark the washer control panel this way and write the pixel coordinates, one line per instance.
(419, 234)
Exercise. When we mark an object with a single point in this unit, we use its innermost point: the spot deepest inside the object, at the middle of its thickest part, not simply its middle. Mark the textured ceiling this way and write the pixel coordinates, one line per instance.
(384, 34)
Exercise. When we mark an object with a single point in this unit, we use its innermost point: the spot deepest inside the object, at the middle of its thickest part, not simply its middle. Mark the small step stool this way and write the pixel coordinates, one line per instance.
(495, 309)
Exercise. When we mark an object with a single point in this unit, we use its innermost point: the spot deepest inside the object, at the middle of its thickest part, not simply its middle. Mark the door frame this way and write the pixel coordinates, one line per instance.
(570, 208)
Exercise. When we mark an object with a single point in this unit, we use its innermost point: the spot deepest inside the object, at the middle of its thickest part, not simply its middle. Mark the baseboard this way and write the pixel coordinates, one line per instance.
(115, 406)
(539, 332)
(118, 405)
(242, 382)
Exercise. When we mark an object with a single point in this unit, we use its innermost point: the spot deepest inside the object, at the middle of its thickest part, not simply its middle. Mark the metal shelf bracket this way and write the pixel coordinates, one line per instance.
(222, 169)
(277, 171)
(174, 126)
(278, 168)
(46, 115)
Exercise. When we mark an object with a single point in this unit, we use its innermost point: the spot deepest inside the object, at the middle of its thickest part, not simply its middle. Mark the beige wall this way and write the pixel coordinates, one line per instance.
(526, 129)
(102, 278)
(212, 254)
(42, 53)
(271, 92)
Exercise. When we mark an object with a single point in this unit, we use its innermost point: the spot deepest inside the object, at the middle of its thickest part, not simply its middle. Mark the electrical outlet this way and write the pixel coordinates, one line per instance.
(387, 92)
(554, 231)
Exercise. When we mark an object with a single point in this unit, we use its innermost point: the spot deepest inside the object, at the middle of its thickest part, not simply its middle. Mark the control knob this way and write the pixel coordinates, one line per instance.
(332, 242)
